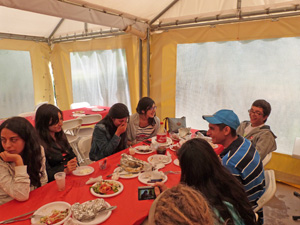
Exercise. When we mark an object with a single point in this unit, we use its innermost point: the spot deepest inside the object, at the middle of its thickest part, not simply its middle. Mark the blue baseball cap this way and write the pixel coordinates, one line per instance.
(226, 116)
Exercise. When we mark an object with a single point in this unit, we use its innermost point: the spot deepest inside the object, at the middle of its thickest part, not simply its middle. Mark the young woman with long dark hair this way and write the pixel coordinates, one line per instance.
(109, 136)
(201, 168)
(144, 123)
(59, 154)
(22, 160)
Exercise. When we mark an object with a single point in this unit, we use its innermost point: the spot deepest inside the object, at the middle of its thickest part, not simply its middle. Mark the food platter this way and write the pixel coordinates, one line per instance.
(124, 174)
(48, 210)
(167, 143)
(156, 159)
(100, 218)
(143, 149)
(152, 177)
(174, 147)
(83, 171)
(118, 186)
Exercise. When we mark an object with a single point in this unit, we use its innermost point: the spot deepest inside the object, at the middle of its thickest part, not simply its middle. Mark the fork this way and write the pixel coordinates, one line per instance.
(173, 172)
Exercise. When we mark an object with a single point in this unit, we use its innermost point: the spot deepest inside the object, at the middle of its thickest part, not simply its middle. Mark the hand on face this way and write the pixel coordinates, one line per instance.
(8, 157)
(121, 129)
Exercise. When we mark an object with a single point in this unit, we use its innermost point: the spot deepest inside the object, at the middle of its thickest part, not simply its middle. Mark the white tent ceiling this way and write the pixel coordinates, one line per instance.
(61, 20)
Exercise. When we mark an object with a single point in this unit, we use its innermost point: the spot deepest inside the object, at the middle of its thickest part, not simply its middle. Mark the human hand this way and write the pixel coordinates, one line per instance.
(8, 157)
(121, 129)
(71, 165)
(159, 187)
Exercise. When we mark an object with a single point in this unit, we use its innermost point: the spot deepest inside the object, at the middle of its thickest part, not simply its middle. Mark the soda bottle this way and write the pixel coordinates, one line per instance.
(161, 136)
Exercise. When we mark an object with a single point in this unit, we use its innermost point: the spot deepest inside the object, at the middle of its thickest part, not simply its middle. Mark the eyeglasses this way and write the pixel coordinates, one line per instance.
(153, 108)
(255, 112)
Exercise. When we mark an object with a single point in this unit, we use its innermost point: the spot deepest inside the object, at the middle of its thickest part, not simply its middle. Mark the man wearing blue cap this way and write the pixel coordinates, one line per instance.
(239, 155)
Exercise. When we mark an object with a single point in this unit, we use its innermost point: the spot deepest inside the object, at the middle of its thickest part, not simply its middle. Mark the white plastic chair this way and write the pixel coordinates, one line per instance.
(269, 191)
(77, 105)
(87, 120)
(296, 149)
(28, 114)
(71, 128)
(84, 147)
(267, 159)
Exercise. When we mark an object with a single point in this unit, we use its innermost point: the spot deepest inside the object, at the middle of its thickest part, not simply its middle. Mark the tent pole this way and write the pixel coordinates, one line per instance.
(141, 68)
(163, 12)
(148, 62)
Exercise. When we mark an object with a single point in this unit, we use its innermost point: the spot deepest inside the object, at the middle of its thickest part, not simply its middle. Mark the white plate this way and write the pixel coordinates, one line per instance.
(99, 218)
(83, 171)
(147, 176)
(143, 147)
(126, 175)
(176, 162)
(110, 195)
(97, 110)
(156, 159)
(46, 210)
(168, 142)
(172, 147)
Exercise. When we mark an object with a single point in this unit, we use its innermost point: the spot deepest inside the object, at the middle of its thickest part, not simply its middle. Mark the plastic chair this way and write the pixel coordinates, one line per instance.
(269, 191)
(28, 114)
(88, 120)
(38, 105)
(71, 128)
(77, 105)
(267, 159)
(84, 147)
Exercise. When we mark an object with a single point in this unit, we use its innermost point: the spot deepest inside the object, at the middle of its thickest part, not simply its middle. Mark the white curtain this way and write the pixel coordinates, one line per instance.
(16, 83)
(100, 77)
(231, 75)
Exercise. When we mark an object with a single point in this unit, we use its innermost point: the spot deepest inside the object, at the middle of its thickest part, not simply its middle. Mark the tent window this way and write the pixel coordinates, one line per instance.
(100, 77)
(16, 85)
(231, 75)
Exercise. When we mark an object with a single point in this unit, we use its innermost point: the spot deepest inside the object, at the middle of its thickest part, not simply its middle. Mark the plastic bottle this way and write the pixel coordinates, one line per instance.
(161, 136)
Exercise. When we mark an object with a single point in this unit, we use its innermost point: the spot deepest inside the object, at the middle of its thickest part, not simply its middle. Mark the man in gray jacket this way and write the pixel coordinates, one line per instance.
(256, 131)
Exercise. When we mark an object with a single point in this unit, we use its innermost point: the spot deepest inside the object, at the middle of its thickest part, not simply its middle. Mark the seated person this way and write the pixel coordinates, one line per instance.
(239, 155)
(22, 160)
(59, 154)
(202, 170)
(144, 124)
(180, 205)
(256, 131)
(109, 136)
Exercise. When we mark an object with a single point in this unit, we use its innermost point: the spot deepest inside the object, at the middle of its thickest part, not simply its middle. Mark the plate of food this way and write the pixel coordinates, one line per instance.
(175, 147)
(83, 171)
(167, 143)
(152, 177)
(156, 159)
(124, 174)
(90, 212)
(54, 213)
(106, 188)
(143, 149)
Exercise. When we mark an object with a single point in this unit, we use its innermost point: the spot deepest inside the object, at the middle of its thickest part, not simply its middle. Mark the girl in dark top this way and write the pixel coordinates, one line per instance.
(109, 135)
(59, 154)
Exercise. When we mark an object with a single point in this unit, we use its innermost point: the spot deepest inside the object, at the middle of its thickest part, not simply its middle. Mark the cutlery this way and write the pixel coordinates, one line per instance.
(173, 172)
(13, 219)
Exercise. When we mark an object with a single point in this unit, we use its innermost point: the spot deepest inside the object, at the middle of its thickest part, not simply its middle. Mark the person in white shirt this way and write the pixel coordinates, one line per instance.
(256, 130)
(22, 160)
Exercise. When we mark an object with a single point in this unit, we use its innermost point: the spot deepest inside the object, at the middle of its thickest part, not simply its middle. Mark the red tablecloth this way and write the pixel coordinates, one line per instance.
(129, 209)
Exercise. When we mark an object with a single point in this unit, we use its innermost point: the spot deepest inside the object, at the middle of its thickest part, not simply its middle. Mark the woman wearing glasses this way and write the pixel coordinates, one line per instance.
(109, 136)
(144, 124)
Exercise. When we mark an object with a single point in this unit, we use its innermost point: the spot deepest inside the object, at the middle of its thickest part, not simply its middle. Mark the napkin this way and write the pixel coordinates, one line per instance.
(93, 180)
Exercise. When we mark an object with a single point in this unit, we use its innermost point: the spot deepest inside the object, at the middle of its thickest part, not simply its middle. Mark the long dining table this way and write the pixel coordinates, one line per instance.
(129, 209)
(70, 114)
